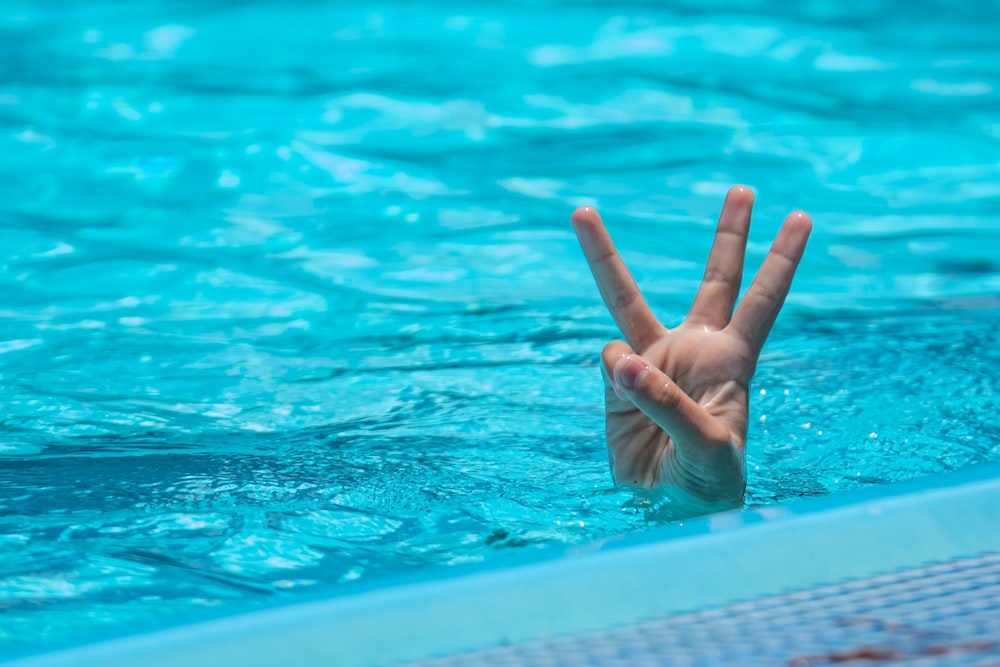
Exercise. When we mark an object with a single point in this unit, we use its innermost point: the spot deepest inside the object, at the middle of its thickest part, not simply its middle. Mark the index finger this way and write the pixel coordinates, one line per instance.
(618, 289)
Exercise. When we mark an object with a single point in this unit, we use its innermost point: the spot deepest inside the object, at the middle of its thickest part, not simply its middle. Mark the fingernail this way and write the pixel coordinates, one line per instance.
(630, 371)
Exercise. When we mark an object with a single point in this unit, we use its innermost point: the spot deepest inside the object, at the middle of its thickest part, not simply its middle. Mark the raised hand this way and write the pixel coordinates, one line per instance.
(677, 400)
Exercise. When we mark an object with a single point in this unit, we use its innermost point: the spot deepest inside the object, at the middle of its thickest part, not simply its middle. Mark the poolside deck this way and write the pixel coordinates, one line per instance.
(942, 614)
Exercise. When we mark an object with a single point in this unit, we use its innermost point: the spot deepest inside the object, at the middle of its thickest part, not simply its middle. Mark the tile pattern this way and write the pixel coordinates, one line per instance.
(944, 614)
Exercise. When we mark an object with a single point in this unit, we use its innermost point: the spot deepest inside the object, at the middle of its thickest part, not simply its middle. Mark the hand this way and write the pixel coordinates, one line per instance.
(676, 401)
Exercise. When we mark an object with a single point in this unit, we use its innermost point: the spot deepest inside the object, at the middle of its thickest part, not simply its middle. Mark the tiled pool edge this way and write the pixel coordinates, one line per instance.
(712, 561)
(945, 614)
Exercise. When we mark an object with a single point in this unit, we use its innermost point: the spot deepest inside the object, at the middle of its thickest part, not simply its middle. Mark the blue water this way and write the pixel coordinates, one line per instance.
(290, 299)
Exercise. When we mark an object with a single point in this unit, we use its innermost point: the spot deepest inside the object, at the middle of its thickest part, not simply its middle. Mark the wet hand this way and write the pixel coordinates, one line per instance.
(677, 400)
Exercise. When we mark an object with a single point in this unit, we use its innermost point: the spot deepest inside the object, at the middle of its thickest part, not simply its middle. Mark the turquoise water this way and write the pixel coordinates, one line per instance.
(290, 298)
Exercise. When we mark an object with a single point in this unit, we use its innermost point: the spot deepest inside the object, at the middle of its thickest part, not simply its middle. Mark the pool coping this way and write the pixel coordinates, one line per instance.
(711, 561)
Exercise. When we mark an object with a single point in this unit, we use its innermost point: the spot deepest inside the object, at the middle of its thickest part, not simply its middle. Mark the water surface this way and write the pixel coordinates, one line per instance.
(290, 298)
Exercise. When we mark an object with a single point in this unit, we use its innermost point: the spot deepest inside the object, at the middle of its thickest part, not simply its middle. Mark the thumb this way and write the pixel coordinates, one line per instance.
(659, 398)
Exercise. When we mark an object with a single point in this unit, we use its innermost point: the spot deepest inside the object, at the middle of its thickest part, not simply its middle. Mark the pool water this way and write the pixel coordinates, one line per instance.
(290, 299)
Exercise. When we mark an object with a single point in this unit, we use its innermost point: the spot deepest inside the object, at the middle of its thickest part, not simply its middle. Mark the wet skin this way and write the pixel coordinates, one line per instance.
(676, 400)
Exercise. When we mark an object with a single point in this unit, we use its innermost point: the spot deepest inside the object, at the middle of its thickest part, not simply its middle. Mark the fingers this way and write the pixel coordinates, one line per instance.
(713, 306)
(659, 398)
(765, 296)
(614, 397)
(618, 289)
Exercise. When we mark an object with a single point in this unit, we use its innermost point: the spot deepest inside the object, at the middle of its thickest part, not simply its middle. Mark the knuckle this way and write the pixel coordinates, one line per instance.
(714, 274)
(624, 297)
(767, 293)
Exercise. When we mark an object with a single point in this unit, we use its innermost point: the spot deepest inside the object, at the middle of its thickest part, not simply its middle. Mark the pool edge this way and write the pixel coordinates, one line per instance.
(710, 561)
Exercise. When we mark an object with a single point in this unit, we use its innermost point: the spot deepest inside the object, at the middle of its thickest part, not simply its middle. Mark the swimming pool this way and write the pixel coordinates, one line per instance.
(291, 302)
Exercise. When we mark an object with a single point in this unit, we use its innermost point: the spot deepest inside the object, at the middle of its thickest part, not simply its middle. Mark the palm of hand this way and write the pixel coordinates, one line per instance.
(711, 367)
(677, 400)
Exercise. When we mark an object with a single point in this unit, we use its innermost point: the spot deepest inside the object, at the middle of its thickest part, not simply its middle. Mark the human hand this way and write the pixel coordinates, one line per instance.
(676, 401)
